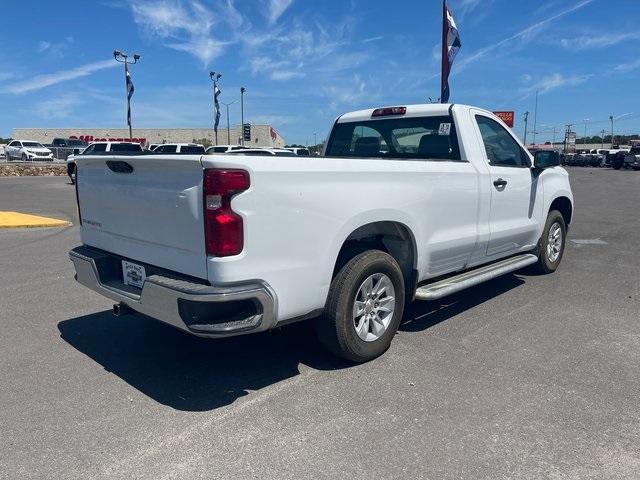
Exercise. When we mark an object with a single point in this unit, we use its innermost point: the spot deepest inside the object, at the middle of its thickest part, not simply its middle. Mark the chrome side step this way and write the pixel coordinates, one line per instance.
(454, 284)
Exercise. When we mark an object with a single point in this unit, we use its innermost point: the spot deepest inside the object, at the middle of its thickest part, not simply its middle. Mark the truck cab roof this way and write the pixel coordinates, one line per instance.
(406, 111)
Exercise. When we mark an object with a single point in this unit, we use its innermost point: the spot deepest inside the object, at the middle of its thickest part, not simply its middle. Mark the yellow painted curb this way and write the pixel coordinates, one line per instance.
(24, 220)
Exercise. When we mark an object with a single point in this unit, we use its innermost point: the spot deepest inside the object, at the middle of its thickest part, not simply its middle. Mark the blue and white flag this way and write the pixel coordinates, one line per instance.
(450, 46)
(130, 91)
(216, 104)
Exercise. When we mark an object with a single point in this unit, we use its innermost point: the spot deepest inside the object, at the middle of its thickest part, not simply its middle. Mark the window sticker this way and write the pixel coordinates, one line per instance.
(445, 128)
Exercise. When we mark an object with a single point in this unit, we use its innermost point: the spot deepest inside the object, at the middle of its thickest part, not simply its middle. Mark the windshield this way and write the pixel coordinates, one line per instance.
(635, 151)
(409, 138)
(76, 143)
(126, 147)
(32, 144)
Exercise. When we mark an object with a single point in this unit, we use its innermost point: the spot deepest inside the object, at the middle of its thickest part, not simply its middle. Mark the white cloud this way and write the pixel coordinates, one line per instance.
(372, 39)
(43, 46)
(350, 92)
(303, 50)
(59, 107)
(41, 81)
(589, 41)
(525, 34)
(552, 82)
(184, 26)
(467, 6)
(277, 8)
(55, 50)
(627, 67)
(282, 70)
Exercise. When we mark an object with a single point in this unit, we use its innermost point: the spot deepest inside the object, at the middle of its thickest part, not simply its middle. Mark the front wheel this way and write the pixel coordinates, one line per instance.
(364, 307)
(552, 243)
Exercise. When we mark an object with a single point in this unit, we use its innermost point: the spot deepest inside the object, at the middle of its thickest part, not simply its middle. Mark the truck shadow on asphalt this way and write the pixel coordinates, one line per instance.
(195, 374)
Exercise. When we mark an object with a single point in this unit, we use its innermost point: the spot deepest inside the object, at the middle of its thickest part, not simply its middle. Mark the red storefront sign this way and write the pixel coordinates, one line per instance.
(91, 138)
(506, 117)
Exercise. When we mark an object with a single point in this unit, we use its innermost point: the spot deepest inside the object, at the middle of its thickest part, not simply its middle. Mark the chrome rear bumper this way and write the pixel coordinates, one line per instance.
(170, 300)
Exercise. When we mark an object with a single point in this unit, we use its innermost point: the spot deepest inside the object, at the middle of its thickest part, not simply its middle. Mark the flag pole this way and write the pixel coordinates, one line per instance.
(126, 86)
(444, 50)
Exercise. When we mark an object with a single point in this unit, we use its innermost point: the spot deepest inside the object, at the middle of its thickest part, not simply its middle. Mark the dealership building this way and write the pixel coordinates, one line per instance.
(261, 135)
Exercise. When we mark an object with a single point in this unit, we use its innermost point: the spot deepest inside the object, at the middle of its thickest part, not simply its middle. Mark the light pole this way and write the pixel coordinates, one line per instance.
(535, 119)
(611, 118)
(216, 106)
(584, 141)
(566, 137)
(242, 90)
(526, 120)
(602, 138)
(124, 58)
(228, 134)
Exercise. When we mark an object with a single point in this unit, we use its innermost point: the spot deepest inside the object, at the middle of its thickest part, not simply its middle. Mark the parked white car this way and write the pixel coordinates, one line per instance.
(280, 152)
(300, 151)
(407, 203)
(27, 150)
(102, 148)
(224, 148)
(182, 148)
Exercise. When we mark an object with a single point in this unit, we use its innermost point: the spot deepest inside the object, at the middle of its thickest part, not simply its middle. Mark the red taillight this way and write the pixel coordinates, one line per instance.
(382, 112)
(223, 229)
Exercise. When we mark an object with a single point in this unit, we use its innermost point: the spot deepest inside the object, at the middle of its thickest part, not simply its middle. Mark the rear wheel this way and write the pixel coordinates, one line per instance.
(71, 171)
(24, 157)
(364, 307)
(552, 243)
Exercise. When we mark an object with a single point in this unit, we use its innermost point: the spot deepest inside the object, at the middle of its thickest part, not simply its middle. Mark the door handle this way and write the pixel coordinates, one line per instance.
(500, 183)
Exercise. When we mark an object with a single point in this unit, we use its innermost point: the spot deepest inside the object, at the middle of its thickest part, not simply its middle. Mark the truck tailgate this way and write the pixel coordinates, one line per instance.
(146, 208)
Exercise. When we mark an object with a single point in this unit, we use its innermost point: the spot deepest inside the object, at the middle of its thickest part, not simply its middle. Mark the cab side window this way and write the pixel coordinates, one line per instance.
(502, 150)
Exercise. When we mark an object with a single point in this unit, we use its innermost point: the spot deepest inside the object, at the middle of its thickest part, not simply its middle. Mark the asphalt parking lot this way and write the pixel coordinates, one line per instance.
(525, 377)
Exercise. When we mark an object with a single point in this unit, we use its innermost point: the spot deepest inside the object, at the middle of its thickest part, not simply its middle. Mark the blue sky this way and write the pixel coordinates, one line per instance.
(303, 62)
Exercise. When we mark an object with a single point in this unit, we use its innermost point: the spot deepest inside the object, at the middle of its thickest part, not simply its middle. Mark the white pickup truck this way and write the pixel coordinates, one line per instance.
(406, 203)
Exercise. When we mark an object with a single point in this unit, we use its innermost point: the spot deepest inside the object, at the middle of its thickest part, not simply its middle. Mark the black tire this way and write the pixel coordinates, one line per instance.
(336, 327)
(24, 157)
(545, 263)
(71, 171)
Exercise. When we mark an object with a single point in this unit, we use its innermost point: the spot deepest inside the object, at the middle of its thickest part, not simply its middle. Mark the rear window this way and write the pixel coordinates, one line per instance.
(126, 147)
(303, 152)
(432, 138)
(192, 149)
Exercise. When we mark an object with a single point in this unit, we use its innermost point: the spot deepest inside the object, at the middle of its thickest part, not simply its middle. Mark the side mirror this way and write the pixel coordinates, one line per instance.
(546, 159)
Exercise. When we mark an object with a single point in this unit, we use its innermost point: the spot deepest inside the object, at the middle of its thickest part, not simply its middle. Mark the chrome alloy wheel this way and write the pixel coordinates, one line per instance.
(373, 307)
(554, 242)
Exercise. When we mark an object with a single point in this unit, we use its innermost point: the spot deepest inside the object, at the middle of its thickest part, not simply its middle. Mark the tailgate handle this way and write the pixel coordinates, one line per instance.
(119, 166)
